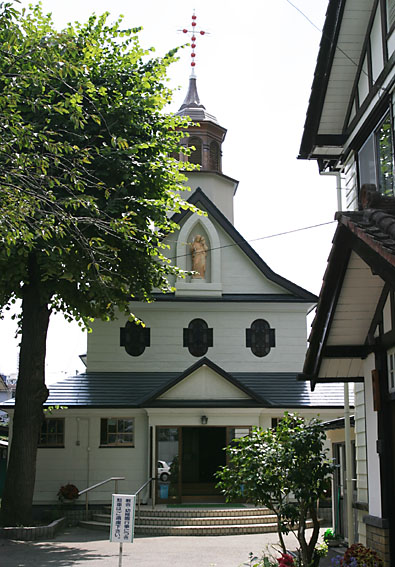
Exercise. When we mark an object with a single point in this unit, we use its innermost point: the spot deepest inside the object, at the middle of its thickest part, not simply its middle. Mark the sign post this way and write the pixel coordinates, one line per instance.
(122, 520)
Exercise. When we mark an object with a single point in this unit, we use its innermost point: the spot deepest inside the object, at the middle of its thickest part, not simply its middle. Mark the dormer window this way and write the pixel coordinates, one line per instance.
(198, 337)
(260, 338)
(134, 337)
(196, 154)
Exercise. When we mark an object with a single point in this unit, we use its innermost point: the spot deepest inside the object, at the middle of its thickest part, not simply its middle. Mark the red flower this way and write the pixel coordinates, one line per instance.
(286, 560)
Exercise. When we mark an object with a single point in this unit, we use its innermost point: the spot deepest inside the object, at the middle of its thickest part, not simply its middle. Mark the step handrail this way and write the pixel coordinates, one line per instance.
(87, 490)
(138, 492)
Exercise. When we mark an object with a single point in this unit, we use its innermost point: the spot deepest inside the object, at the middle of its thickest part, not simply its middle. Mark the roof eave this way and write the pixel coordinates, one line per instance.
(325, 57)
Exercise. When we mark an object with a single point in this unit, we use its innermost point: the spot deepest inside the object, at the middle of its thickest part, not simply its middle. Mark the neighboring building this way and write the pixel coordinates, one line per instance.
(216, 357)
(7, 391)
(350, 119)
(349, 129)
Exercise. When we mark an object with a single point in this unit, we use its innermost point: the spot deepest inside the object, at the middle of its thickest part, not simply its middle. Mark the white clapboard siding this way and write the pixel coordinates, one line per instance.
(229, 325)
(350, 179)
(56, 467)
(360, 288)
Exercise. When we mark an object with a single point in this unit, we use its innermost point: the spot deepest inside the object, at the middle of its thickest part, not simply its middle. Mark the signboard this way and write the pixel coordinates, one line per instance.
(122, 518)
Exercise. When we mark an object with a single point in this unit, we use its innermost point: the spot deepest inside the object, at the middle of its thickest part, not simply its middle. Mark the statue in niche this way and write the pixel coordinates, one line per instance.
(199, 254)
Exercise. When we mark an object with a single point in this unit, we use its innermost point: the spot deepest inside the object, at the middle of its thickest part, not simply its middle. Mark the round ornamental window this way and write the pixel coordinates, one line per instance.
(198, 337)
(260, 337)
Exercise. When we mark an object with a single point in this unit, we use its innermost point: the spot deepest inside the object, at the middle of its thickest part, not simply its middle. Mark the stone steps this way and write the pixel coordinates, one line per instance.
(194, 521)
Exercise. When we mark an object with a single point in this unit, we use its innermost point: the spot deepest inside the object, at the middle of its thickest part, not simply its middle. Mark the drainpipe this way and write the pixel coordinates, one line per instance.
(347, 431)
(338, 186)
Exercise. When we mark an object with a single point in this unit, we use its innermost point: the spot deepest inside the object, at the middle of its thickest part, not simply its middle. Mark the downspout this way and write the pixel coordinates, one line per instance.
(338, 187)
(349, 480)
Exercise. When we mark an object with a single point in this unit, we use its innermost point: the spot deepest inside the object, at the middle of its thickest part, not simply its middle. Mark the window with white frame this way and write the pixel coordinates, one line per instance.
(391, 370)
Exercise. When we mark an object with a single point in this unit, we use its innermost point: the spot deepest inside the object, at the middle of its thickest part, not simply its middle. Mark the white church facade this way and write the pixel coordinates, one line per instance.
(215, 358)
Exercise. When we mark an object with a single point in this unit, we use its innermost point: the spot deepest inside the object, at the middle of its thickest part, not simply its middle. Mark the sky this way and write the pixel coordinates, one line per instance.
(254, 70)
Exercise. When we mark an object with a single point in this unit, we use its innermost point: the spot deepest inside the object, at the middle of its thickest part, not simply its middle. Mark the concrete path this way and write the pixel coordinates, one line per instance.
(79, 547)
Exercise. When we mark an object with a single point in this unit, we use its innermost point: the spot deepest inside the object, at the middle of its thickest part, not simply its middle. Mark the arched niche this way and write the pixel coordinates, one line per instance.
(195, 225)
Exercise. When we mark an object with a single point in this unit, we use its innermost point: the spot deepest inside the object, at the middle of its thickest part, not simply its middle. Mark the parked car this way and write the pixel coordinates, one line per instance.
(163, 471)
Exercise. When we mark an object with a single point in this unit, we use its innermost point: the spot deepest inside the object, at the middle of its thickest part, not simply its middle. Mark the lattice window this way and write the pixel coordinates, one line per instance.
(198, 337)
(117, 432)
(260, 338)
(52, 433)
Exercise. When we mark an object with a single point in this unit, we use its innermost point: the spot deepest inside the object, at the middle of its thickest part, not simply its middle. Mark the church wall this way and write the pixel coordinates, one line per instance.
(218, 188)
(77, 465)
(229, 322)
(86, 463)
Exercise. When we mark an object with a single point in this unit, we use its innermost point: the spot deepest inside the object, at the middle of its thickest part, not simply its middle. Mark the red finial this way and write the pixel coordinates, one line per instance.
(193, 31)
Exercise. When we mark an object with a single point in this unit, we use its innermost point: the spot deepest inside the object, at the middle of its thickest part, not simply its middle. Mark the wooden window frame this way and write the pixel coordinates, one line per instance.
(118, 433)
(45, 434)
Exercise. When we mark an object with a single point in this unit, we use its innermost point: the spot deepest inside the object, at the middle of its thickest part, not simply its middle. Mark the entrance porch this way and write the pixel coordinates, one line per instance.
(193, 454)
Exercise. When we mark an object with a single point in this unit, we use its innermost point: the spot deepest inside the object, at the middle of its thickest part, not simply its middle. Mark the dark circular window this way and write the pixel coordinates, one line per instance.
(135, 338)
(198, 337)
(260, 337)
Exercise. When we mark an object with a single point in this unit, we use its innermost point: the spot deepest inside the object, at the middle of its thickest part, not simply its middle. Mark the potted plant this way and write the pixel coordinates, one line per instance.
(68, 493)
(330, 538)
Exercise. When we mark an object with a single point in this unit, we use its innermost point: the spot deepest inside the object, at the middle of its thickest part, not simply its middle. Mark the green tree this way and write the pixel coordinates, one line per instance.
(285, 469)
(86, 191)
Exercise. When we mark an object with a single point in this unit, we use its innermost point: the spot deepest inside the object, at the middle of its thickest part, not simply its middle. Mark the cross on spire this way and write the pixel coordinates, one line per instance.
(194, 31)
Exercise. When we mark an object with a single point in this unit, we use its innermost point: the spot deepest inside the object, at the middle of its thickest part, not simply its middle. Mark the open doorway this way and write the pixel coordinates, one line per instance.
(202, 455)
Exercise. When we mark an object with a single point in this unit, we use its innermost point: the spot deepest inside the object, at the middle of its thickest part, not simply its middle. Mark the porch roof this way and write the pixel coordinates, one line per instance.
(142, 389)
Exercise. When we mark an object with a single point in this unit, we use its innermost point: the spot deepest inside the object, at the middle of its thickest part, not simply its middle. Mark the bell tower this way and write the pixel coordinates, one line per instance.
(205, 137)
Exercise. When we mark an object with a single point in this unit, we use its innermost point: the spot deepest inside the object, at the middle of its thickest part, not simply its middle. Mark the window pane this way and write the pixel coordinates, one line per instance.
(117, 432)
(385, 153)
(52, 433)
(367, 163)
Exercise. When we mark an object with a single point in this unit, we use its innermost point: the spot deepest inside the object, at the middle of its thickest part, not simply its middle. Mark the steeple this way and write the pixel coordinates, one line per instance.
(192, 106)
(206, 135)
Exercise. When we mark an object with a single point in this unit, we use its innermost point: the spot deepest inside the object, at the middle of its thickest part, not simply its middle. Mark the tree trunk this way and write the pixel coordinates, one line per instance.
(31, 393)
(307, 549)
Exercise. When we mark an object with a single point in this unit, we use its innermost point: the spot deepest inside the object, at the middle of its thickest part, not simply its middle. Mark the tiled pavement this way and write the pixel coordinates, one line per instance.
(78, 547)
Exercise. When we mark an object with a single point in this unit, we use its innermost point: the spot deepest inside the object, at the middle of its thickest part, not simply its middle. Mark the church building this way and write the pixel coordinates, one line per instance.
(214, 359)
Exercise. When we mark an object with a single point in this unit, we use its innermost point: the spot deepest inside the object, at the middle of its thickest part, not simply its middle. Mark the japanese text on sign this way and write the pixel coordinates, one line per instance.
(122, 517)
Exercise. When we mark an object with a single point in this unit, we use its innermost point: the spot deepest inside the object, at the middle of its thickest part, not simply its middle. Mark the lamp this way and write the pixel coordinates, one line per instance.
(204, 419)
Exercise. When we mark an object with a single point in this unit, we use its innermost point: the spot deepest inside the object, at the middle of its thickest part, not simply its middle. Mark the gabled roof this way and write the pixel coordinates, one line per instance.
(204, 362)
(143, 389)
(199, 198)
(361, 267)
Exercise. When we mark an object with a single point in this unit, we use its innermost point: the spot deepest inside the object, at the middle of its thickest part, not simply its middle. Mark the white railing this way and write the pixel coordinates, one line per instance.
(87, 490)
(138, 494)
